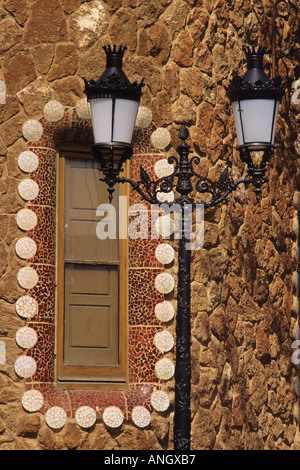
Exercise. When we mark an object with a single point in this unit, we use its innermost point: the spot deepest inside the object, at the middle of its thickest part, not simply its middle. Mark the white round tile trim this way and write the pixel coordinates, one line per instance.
(296, 225)
(164, 341)
(26, 248)
(164, 311)
(163, 168)
(27, 277)
(27, 306)
(32, 400)
(144, 117)
(28, 161)
(85, 417)
(296, 331)
(53, 111)
(25, 366)
(160, 138)
(164, 369)
(296, 279)
(296, 199)
(141, 416)
(164, 253)
(26, 219)
(113, 417)
(296, 304)
(165, 225)
(26, 337)
(164, 283)
(297, 146)
(295, 251)
(56, 417)
(83, 109)
(28, 189)
(32, 130)
(160, 400)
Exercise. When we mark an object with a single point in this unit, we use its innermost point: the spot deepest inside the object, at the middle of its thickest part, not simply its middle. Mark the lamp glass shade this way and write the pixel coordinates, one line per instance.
(101, 111)
(124, 120)
(255, 121)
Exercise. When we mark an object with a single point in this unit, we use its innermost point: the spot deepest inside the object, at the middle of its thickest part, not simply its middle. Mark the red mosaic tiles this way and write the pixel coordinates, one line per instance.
(141, 140)
(44, 234)
(43, 293)
(143, 354)
(141, 304)
(141, 253)
(45, 177)
(43, 352)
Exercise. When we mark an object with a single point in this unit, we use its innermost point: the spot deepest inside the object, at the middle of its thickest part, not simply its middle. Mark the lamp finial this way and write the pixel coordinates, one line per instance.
(254, 56)
(114, 56)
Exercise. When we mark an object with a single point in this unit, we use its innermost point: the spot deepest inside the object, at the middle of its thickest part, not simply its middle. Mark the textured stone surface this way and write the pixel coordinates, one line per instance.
(88, 23)
(46, 23)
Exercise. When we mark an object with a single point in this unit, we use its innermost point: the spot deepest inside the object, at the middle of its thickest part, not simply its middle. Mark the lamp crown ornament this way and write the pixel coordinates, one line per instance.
(114, 55)
(255, 82)
(254, 56)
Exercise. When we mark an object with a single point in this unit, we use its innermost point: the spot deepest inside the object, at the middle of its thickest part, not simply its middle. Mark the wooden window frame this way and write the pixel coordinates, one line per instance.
(87, 377)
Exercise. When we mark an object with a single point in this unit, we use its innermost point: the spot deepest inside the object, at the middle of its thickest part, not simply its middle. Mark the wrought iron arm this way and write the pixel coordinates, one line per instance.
(149, 190)
(220, 189)
(188, 179)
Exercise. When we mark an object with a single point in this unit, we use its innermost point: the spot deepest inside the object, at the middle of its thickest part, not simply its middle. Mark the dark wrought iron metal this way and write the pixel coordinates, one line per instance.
(113, 81)
(184, 171)
(109, 164)
(182, 417)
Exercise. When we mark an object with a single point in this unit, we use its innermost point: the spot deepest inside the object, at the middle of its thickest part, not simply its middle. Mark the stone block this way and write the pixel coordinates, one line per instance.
(88, 24)
(46, 23)
(10, 35)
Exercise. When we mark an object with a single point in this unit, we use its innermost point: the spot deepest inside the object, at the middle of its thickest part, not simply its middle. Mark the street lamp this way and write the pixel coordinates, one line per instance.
(255, 100)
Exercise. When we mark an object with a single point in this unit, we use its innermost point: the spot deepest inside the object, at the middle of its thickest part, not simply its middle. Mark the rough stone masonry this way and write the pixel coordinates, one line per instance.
(244, 280)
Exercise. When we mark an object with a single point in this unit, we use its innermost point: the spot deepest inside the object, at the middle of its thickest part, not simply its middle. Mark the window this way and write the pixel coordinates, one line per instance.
(91, 281)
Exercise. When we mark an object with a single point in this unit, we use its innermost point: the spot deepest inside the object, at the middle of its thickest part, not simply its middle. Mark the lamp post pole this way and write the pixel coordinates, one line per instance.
(184, 171)
(182, 417)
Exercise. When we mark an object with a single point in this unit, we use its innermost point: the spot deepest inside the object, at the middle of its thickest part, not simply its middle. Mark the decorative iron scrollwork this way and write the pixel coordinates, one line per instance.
(184, 171)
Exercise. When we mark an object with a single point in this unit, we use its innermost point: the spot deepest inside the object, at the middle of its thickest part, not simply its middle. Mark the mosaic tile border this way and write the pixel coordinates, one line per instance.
(148, 340)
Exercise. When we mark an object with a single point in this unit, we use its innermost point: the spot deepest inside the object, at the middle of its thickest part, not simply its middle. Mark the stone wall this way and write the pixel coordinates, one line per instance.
(244, 280)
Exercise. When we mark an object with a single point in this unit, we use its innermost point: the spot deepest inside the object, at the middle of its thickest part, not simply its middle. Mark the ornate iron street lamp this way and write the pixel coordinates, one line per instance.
(114, 103)
(255, 102)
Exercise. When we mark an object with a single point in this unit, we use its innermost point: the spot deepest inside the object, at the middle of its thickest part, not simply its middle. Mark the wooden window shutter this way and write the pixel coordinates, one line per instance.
(91, 298)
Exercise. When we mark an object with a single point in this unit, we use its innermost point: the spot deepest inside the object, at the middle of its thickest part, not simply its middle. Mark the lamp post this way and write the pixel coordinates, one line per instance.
(255, 102)
(114, 103)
